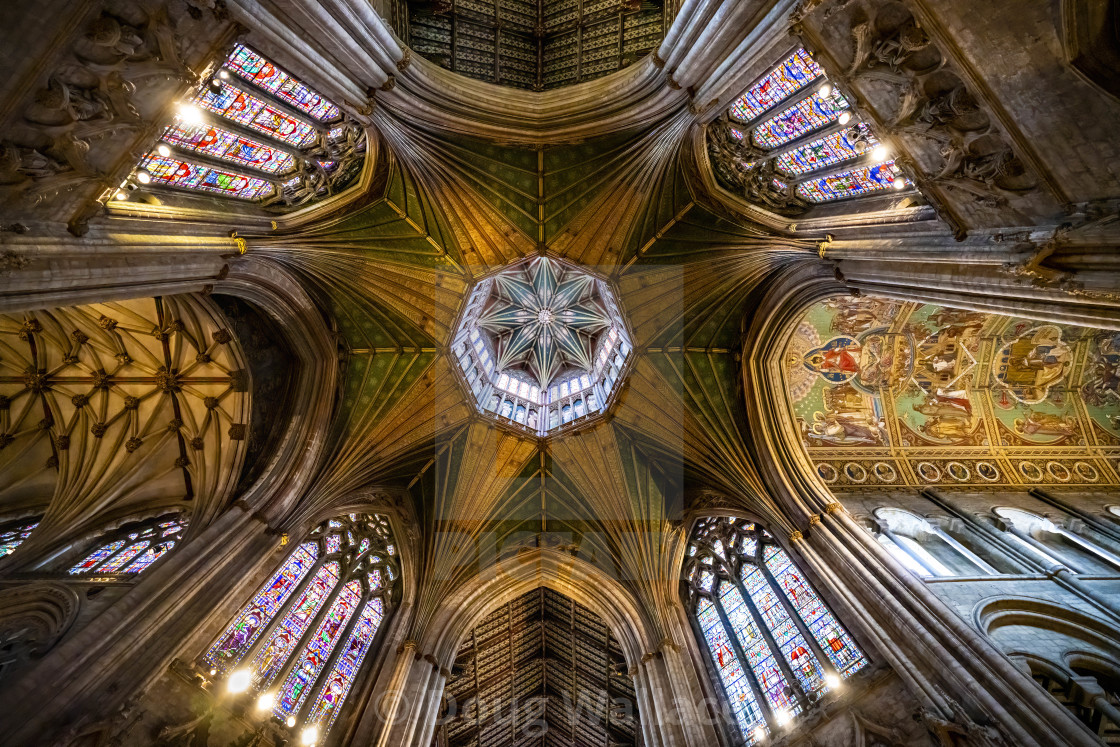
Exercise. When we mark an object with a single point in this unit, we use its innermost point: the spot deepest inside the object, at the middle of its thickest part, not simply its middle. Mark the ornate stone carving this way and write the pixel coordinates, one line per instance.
(312, 181)
(33, 617)
(742, 168)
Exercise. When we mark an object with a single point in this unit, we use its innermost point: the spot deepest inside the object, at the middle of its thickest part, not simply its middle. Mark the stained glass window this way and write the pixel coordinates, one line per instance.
(807, 115)
(176, 173)
(12, 538)
(133, 547)
(823, 152)
(749, 600)
(249, 111)
(259, 71)
(796, 72)
(309, 628)
(851, 183)
(223, 144)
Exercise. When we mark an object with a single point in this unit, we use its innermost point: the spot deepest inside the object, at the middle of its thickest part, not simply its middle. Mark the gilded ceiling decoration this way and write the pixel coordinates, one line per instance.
(124, 404)
(541, 671)
(535, 45)
(542, 344)
(887, 393)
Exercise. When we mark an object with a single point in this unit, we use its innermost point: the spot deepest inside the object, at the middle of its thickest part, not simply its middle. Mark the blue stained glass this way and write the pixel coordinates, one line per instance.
(735, 682)
(858, 181)
(175, 173)
(759, 655)
(97, 557)
(285, 636)
(807, 115)
(151, 555)
(239, 637)
(13, 538)
(223, 144)
(334, 542)
(259, 71)
(826, 151)
(297, 685)
(341, 678)
(831, 637)
(254, 113)
(123, 558)
(796, 72)
(802, 662)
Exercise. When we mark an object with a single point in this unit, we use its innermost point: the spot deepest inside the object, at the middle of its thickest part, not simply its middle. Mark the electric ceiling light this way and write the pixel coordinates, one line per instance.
(881, 153)
(163, 150)
(239, 681)
(899, 182)
(291, 721)
(143, 176)
(832, 680)
(844, 118)
(825, 90)
(122, 195)
(309, 736)
(190, 114)
(266, 701)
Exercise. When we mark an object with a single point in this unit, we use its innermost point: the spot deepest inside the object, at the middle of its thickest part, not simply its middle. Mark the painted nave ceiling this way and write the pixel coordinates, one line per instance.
(527, 372)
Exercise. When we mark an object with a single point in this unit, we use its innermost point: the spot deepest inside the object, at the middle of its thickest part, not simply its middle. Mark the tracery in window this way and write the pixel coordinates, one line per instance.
(252, 131)
(774, 645)
(337, 586)
(924, 548)
(14, 534)
(792, 141)
(133, 547)
(1055, 545)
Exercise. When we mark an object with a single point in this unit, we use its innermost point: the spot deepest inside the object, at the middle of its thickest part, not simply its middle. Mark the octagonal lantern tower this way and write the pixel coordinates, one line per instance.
(542, 345)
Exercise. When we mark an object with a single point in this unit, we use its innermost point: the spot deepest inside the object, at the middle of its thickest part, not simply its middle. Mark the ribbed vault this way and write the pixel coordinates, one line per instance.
(541, 671)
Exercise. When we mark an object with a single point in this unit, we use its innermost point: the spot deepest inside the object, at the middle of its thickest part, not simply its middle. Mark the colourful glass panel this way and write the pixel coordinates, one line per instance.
(831, 637)
(252, 112)
(151, 555)
(223, 144)
(374, 580)
(259, 71)
(792, 644)
(341, 678)
(97, 557)
(334, 542)
(852, 183)
(807, 115)
(284, 637)
(791, 76)
(121, 559)
(176, 173)
(735, 682)
(13, 538)
(822, 152)
(759, 655)
(297, 685)
(244, 631)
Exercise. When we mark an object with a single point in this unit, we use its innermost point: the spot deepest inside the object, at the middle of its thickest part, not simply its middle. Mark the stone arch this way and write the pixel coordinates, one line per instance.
(1062, 630)
(1091, 41)
(33, 618)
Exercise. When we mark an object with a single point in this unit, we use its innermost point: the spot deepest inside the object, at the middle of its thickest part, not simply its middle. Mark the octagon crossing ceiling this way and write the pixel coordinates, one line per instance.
(541, 671)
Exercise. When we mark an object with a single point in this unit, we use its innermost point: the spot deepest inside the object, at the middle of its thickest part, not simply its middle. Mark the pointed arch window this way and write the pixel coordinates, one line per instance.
(792, 141)
(774, 645)
(133, 547)
(14, 533)
(300, 641)
(254, 132)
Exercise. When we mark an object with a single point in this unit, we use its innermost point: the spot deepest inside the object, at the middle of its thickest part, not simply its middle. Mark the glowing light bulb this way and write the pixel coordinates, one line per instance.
(291, 721)
(143, 176)
(163, 150)
(190, 114)
(759, 734)
(309, 736)
(881, 153)
(832, 680)
(899, 182)
(239, 681)
(844, 118)
(122, 195)
(213, 672)
(825, 90)
(782, 716)
(223, 74)
(266, 701)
